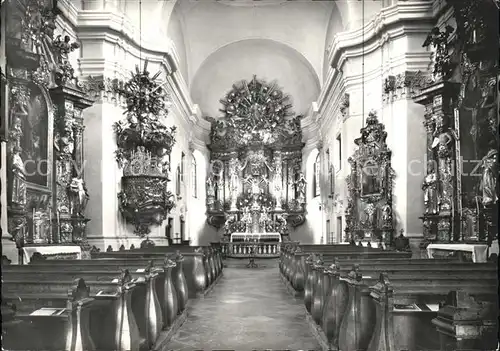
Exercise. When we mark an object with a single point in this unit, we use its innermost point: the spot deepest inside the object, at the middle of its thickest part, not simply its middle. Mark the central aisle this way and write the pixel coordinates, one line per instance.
(248, 309)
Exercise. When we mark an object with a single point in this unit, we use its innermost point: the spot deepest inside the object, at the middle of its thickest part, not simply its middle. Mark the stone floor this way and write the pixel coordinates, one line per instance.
(249, 309)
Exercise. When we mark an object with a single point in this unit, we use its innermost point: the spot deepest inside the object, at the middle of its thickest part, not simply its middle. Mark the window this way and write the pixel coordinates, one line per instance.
(168, 228)
(316, 176)
(183, 164)
(178, 178)
(339, 227)
(339, 152)
(194, 180)
(183, 230)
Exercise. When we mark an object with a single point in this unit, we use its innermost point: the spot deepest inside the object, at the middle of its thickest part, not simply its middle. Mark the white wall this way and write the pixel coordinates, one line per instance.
(360, 71)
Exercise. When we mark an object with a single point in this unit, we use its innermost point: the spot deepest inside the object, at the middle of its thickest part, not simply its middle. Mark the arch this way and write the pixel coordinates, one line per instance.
(174, 30)
(266, 58)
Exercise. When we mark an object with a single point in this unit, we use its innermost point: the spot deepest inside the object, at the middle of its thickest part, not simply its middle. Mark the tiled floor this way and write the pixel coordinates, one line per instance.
(249, 309)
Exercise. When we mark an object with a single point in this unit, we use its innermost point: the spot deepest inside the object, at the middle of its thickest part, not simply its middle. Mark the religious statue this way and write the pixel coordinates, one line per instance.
(386, 215)
(442, 58)
(247, 218)
(431, 199)
(66, 141)
(18, 191)
(78, 196)
(264, 218)
(490, 177)
(62, 48)
(231, 218)
(235, 168)
(370, 215)
(210, 187)
(301, 188)
(281, 218)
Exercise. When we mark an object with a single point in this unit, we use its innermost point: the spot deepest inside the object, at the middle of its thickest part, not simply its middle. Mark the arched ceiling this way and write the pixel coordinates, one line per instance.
(226, 41)
(268, 60)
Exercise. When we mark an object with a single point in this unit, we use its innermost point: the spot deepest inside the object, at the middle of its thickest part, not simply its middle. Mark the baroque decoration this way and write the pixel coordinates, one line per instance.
(143, 146)
(255, 183)
(46, 190)
(369, 213)
(462, 120)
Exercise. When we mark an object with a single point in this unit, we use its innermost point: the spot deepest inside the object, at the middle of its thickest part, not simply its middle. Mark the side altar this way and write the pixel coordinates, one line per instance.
(255, 184)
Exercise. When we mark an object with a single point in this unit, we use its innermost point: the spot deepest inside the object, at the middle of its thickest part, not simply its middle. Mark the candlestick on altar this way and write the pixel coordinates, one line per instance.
(58, 226)
(33, 225)
(50, 226)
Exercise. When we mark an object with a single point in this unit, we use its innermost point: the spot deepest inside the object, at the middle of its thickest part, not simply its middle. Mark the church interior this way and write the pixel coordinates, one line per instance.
(249, 175)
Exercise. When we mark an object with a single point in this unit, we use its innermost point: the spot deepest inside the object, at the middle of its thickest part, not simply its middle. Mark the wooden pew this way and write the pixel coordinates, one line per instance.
(103, 318)
(145, 304)
(194, 268)
(293, 262)
(310, 275)
(165, 285)
(212, 258)
(351, 309)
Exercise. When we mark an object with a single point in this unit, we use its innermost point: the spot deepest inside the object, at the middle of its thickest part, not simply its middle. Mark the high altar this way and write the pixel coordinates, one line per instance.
(255, 184)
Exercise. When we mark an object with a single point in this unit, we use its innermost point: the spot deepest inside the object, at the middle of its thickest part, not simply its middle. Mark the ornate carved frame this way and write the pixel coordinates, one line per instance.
(369, 216)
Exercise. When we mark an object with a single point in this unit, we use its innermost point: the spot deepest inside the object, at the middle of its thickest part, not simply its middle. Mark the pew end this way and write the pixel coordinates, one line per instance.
(464, 323)
(52, 328)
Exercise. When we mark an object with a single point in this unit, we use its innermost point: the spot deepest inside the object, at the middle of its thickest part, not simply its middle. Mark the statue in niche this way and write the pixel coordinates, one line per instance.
(300, 185)
(489, 178)
(78, 196)
(235, 168)
(386, 215)
(431, 199)
(370, 215)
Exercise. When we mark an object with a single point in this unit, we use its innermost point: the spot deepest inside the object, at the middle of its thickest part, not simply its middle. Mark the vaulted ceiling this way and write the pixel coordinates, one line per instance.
(222, 42)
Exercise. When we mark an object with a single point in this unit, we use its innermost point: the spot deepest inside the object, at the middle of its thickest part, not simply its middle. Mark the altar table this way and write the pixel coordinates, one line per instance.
(479, 251)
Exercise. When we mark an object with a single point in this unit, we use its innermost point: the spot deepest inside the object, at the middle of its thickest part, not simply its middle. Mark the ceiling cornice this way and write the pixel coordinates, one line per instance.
(416, 12)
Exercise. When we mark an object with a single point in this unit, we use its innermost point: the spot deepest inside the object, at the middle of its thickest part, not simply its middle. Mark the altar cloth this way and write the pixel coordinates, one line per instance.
(479, 251)
(51, 250)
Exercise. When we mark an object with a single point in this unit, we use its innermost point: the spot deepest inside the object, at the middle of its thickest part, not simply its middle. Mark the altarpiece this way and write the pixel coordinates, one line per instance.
(255, 182)
(369, 213)
(462, 119)
(45, 187)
